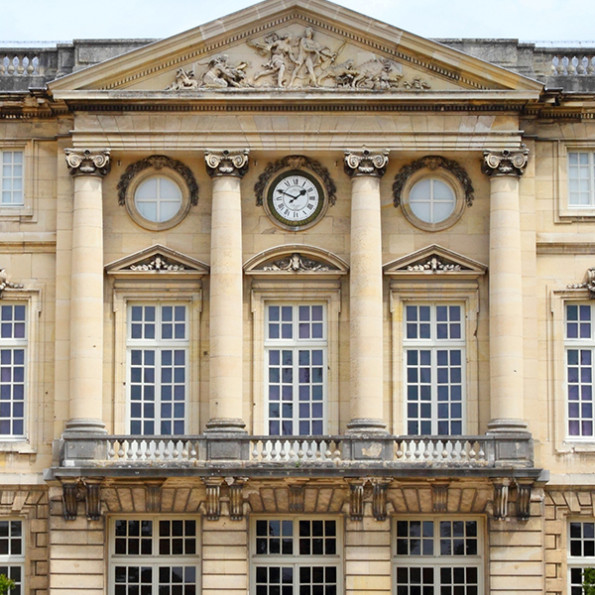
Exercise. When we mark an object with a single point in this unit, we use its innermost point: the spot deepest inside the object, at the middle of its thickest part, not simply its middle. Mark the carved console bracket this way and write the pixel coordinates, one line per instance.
(227, 163)
(361, 490)
(365, 163)
(440, 497)
(235, 491)
(83, 162)
(157, 162)
(432, 163)
(502, 490)
(295, 162)
(213, 488)
(297, 497)
(505, 163)
(153, 497)
(236, 497)
(74, 492)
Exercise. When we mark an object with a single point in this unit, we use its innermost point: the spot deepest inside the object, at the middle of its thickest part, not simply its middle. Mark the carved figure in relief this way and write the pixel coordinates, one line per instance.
(184, 80)
(377, 74)
(311, 55)
(279, 48)
(221, 74)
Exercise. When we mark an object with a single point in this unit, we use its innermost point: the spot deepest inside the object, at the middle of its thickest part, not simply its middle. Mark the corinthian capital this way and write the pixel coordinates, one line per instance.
(227, 163)
(505, 163)
(366, 163)
(83, 162)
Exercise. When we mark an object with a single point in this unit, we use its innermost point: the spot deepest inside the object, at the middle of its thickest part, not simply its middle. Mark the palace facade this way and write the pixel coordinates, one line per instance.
(297, 302)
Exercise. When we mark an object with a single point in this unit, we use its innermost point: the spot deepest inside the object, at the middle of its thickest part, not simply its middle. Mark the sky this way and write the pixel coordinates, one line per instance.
(564, 21)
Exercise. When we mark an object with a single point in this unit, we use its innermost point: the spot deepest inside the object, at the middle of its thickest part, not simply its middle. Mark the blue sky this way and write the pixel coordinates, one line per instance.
(527, 20)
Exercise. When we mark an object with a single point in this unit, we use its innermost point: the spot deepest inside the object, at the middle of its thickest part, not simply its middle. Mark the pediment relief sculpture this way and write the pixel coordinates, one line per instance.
(6, 283)
(435, 264)
(295, 60)
(588, 284)
(296, 263)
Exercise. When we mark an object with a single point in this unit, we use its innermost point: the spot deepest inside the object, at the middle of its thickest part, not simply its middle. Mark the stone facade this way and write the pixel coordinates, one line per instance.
(298, 299)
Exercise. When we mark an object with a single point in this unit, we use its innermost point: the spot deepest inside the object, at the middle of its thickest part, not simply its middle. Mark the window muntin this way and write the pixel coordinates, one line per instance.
(432, 200)
(579, 354)
(154, 556)
(158, 348)
(295, 359)
(12, 179)
(13, 356)
(434, 359)
(581, 553)
(438, 556)
(296, 555)
(158, 199)
(12, 552)
(581, 179)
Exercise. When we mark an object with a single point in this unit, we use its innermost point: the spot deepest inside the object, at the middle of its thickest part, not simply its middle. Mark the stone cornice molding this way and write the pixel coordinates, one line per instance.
(365, 163)
(157, 162)
(84, 162)
(505, 163)
(433, 162)
(227, 163)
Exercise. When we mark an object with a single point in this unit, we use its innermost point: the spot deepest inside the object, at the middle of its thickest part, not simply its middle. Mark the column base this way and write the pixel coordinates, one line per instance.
(79, 426)
(225, 425)
(365, 425)
(507, 426)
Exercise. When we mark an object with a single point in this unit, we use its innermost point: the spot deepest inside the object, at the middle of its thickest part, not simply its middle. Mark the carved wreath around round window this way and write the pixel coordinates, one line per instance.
(157, 192)
(432, 193)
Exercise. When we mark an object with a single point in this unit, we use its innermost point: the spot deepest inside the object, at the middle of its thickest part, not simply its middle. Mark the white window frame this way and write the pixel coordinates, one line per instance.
(126, 292)
(4, 185)
(435, 560)
(295, 345)
(412, 289)
(296, 560)
(158, 345)
(574, 562)
(15, 560)
(35, 187)
(33, 422)
(590, 179)
(153, 560)
(433, 345)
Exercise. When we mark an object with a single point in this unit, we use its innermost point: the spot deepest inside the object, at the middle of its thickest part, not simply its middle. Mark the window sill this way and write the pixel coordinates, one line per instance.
(576, 446)
(21, 446)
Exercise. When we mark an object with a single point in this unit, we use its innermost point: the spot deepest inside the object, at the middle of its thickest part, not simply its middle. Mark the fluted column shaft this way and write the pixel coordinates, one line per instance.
(226, 306)
(86, 292)
(506, 291)
(366, 309)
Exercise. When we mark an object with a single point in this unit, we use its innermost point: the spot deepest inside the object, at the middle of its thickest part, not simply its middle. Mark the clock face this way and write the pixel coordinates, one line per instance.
(295, 198)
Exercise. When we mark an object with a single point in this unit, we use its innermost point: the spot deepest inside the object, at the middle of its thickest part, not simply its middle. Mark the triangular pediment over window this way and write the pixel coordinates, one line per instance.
(279, 48)
(157, 262)
(434, 261)
(295, 260)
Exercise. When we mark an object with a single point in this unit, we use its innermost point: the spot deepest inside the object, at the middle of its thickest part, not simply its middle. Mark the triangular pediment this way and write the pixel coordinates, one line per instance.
(434, 260)
(290, 46)
(158, 261)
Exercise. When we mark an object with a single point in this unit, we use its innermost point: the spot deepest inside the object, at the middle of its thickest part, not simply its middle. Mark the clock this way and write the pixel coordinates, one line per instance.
(295, 199)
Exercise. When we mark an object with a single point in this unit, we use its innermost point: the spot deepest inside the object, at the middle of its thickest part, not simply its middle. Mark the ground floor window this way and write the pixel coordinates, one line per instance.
(296, 556)
(12, 553)
(438, 556)
(581, 553)
(154, 556)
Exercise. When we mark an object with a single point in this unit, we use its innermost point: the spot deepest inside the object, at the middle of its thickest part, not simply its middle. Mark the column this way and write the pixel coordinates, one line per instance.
(226, 168)
(365, 291)
(504, 169)
(86, 291)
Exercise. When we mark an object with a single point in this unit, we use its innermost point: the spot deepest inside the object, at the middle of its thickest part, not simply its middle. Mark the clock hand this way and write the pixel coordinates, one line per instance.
(302, 192)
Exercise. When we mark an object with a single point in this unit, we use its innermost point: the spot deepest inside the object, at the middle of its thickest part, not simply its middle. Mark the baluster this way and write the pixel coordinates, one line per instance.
(11, 67)
(590, 65)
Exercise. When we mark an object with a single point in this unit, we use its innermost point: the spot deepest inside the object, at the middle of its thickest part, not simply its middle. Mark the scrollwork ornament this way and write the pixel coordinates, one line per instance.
(505, 163)
(432, 162)
(157, 162)
(227, 163)
(295, 162)
(366, 163)
(83, 162)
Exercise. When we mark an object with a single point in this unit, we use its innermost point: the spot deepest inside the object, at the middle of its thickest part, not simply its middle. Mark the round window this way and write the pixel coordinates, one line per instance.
(432, 200)
(158, 199)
